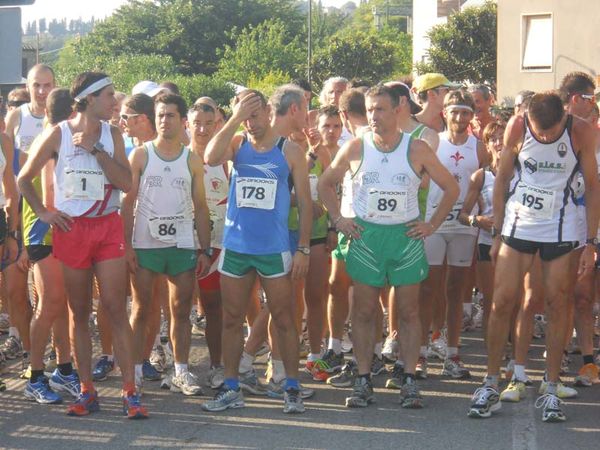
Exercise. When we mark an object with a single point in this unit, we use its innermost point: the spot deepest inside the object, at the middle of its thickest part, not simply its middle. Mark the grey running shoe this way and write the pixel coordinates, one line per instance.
(454, 367)
(275, 390)
(346, 377)
(551, 408)
(187, 383)
(485, 400)
(216, 377)
(421, 369)
(225, 398)
(377, 366)
(409, 394)
(395, 382)
(250, 383)
(362, 394)
(12, 348)
(293, 402)
(158, 358)
(390, 348)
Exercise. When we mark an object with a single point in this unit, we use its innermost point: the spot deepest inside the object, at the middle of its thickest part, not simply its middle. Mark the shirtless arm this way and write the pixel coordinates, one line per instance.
(473, 194)
(137, 158)
(201, 213)
(11, 196)
(482, 155)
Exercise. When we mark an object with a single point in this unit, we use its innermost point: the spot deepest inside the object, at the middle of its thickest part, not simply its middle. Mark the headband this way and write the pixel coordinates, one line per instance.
(92, 88)
(450, 108)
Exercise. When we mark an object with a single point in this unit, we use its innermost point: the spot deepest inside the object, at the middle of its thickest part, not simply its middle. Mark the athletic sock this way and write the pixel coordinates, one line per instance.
(180, 369)
(335, 345)
(278, 371)
(35, 375)
(519, 372)
(138, 372)
(452, 351)
(246, 362)
(588, 359)
(13, 331)
(552, 388)
(491, 381)
(366, 377)
(232, 383)
(65, 369)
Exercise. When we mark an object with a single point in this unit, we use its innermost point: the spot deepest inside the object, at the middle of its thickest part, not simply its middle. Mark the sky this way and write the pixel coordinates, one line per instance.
(73, 9)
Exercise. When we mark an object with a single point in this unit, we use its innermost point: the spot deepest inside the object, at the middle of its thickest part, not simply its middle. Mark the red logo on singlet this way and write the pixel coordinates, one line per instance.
(457, 157)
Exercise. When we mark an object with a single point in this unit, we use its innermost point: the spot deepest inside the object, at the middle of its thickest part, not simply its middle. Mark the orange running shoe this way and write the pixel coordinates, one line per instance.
(132, 407)
(86, 403)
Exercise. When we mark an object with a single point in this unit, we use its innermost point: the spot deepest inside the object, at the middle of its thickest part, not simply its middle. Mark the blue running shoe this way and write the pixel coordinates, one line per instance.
(103, 367)
(65, 383)
(86, 403)
(41, 392)
(149, 372)
(132, 408)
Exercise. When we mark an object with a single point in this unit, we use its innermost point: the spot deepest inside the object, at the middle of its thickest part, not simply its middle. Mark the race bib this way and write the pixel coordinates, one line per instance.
(257, 193)
(313, 180)
(84, 184)
(451, 222)
(173, 230)
(217, 224)
(535, 202)
(387, 204)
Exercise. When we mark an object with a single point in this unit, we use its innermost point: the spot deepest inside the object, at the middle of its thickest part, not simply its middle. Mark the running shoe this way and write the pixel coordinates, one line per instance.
(562, 391)
(41, 392)
(4, 323)
(421, 369)
(199, 326)
(25, 371)
(2, 386)
(377, 366)
(478, 316)
(485, 400)
(347, 341)
(514, 392)
(66, 383)
(263, 350)
(165, 383)
(346, 376)
(225, 398)
(329, 364)
(362, 394)
(132, 407)
(103, 367)
(293, 402)
(438, 348)
(12, 348)
(539, 326)
(164, 331)
(410, 396)
(216, 377)
(395, 382)
(467, 322)
(587, 375)
(564, 364)
(454, 367)
(390, 348)
(86, 403)
(276, 390)
(2, 361)
(303, 349)
(149, 372)
(187, 383)
(551, 408)
(158, 358)
(250, 383)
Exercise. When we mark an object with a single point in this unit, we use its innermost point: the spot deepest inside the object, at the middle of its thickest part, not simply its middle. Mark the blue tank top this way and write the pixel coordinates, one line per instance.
(259, 202)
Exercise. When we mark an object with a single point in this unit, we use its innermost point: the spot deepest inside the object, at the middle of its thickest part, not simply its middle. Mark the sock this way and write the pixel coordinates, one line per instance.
(552, 387)
(87, 386)
(292, 383)
(408, 377)
(12, 331)
(138, 372)
(65, 369)
(467, 308)
(335, 345)
(588, 359)
(366, 377)
(519, 373)
(491, 380)
(378, 349)
(452, 351)
(423, 351)
(312, 357)
(157, 340)
(180, 369)
(128, 389)
(246, 362)
(35, 374)
(232, 383)
(399, 363)
(111, 358)
(278, 371)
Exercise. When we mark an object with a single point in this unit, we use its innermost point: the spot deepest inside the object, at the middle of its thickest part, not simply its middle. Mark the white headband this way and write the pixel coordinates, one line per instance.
(450, 108)
(94, 87)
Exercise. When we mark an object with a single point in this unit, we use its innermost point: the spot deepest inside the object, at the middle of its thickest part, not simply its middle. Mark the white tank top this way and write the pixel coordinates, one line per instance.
(2, 167)
(540, 205)
(164, 211)
(30, 127)
(80, 186)
(385, 185)
(461, 161)
(487, 194)
(216, 186)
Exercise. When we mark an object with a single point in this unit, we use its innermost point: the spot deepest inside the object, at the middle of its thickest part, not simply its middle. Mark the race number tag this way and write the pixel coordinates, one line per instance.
(84, 184)
(387, 204)
(174, 230)
(254, 192)
(313, 180)
(217, 224)
(185, 234)
(451, 222)
(535, 202)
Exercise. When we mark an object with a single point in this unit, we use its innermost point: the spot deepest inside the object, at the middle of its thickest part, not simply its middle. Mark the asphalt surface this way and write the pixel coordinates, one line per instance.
(178, 422)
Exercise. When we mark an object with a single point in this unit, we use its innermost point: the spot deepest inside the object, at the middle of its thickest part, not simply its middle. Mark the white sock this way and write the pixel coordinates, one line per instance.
(138, 372)
(335, 345)
(467, 308)
(246, 362)
(423, 351)
(378, 349)
(180, 369)
(519, 373)
(452, 351)
(278, 371)
(12, 331)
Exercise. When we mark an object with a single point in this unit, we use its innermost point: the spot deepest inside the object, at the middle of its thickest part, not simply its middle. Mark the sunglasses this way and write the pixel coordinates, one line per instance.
(588, 97)
(126, 117)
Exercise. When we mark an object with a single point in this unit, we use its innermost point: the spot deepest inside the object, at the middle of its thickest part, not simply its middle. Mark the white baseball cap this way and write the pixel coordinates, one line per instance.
(147, 87)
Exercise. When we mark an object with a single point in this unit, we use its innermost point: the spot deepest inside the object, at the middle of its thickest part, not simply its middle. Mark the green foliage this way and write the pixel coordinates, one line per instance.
(195, 86)
(258, 51)
(464, 49)
(269, 82)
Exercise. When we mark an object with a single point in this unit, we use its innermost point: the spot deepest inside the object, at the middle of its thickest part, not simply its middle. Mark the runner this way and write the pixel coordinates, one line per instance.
(431, 89)
(483, 100)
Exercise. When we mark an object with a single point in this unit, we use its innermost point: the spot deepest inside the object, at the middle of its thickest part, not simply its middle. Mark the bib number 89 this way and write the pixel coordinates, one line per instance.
(167, 229)
(250, 191)
(386, 204)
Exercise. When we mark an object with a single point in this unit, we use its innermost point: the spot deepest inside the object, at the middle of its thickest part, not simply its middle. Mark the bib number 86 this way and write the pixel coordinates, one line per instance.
(167, 229)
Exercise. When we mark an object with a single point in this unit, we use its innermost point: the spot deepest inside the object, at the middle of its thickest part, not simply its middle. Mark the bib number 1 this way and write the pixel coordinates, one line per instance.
(81, 184)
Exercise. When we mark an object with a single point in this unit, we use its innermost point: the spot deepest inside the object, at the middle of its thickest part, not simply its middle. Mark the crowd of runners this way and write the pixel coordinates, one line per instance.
(353, 240)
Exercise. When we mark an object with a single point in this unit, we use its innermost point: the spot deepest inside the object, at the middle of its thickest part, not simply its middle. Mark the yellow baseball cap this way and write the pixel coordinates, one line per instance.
(431, 81)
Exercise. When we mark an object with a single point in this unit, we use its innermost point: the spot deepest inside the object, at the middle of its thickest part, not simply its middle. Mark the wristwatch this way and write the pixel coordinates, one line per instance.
(208, 251)
(592, 241)
(13, 234)
(98, 147)
(303, 250)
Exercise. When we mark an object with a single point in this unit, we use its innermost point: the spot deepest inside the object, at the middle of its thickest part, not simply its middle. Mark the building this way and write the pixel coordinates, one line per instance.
(540, 41)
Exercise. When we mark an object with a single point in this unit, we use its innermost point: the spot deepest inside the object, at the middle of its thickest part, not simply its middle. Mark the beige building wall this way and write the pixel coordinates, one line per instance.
(576, 43)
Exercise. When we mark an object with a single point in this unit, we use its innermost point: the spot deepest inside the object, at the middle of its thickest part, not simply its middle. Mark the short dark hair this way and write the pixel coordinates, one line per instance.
(546, 109)
(172, 99)
(81, 82)
(302, 83)
(170, 86)
(242, 94)
(490, 129)
(575, 83)
(352, 101)
(18, 97)
(142, 104)
(484, 90)
(59, 105)
(202, 107)
(358, 83)
(381, 89)
(328, 111)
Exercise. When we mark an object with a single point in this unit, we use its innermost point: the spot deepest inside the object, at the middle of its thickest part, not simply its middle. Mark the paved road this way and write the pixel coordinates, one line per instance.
(178, 422)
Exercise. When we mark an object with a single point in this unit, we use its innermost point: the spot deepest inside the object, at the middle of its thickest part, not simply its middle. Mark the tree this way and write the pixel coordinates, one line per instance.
(258, 51)
(464, 49)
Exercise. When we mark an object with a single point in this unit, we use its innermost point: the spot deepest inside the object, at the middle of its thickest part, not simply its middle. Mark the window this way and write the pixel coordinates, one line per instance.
(537, 42)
